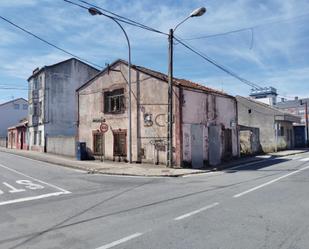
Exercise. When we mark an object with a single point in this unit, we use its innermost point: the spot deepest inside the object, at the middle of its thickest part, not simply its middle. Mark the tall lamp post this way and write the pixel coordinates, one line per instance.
(306, 119)
(94, 11)
(195, 13)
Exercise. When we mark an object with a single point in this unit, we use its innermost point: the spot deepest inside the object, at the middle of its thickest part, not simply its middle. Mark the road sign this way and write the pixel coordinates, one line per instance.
(103, 127)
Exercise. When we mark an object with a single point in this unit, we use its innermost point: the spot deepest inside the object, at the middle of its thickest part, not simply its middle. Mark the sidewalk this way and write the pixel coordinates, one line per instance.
(121, 168)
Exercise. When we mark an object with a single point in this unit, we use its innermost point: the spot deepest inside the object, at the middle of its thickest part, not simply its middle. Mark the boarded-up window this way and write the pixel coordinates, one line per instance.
(40, 138)
(98, 143)
(114, 101)
(227, 140)
(120, 143)
(35, 137)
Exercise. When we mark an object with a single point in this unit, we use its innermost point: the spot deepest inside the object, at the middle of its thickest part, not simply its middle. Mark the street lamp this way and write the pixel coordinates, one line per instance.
(169, 161)
(94, 11)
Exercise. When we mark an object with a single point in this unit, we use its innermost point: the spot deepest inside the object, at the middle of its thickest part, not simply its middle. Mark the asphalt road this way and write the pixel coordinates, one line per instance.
(261, 205)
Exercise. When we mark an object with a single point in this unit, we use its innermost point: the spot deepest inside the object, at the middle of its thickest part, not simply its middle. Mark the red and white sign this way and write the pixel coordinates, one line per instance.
(103, 127)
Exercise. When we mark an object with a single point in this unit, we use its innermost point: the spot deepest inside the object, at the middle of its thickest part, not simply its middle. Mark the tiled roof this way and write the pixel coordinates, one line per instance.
(23, 123)
(178, 82)
(161, 76)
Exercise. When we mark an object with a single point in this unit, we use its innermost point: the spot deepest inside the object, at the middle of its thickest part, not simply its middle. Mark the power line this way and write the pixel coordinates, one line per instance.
(13, 88)
(216, 64)
(218, 34)
(116, 16)
(250, 28)
(49, 43)
(124, 18)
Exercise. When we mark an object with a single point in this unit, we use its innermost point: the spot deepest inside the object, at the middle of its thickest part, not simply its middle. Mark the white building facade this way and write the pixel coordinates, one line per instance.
(52, 100)
(11, 113)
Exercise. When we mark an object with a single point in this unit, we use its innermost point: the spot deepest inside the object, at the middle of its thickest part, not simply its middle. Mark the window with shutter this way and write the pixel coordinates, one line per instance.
(120, 143)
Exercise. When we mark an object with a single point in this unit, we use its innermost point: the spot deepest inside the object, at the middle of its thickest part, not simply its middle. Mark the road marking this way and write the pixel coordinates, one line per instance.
(270, 182)
(118, 242)
(43, 162)
(304, 159)
(128, 176)
(31, 198)
(12, 188)
(35, 179)
(203, 174)
(196, 211)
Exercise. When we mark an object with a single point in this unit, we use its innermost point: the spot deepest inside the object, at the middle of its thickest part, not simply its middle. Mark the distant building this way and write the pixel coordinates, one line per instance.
(52, 100)
(205, 120)
(11, 113)
(266, 95)
(263, 127)
(296, 107)
(18, 136)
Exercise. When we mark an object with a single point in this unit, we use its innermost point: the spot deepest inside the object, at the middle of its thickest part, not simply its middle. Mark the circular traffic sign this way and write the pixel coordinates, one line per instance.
(103, 127)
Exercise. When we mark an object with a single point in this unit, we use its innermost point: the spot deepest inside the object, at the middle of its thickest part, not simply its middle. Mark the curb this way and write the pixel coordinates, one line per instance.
(98, 171)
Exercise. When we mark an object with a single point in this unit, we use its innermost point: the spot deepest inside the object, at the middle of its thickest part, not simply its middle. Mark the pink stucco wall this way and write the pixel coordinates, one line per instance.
(207, 109)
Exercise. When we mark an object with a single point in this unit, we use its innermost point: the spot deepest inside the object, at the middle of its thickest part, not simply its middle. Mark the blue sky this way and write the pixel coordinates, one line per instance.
(276, 56)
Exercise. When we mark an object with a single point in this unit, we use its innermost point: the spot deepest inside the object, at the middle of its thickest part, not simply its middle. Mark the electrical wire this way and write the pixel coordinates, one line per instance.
(116, 17)
(13, 88)
(218, 34)
(216, 64)
(49, 43)
(246, 28)
(124, 18)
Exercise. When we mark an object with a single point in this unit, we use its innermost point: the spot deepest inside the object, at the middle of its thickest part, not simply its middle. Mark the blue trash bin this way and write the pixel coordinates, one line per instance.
(81, 151)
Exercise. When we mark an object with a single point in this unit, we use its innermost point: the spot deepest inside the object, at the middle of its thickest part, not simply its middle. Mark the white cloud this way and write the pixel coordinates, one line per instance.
(277, 47)
(22, 67)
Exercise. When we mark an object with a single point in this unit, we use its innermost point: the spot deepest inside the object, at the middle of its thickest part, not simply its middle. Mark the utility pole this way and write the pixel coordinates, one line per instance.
(306, 118)
(169, 161)
(170, 101)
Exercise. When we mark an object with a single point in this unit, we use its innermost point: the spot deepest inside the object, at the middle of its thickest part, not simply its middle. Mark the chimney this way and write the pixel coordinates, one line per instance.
(35, 70)
(296, 98)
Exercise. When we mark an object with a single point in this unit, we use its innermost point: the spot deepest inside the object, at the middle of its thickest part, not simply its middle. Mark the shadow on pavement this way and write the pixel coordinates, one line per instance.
(258, 165)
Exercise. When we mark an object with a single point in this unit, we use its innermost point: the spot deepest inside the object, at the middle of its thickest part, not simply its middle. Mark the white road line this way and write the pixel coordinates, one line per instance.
(43, 162)
(203, 174)
(304, 159)
(270, 182)
(35, 179)
(196, 211)
(118, 242)
(128, 176)
(31, 198)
